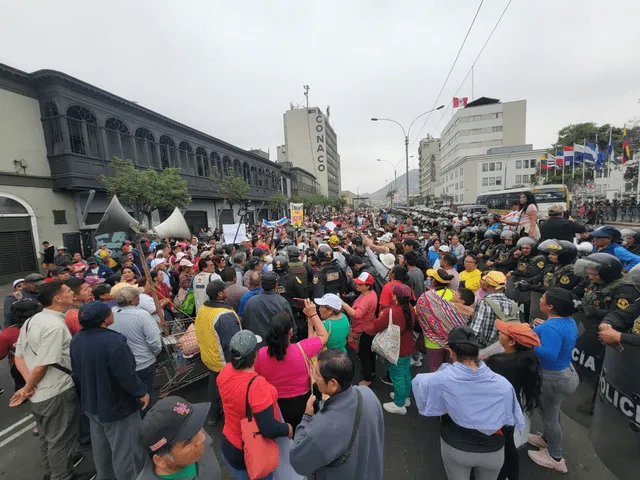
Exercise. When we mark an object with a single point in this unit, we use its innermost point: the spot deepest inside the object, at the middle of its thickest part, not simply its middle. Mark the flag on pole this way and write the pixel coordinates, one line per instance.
(459, 102)
(590, 153)
(579, 153)
(543, 161)
(551, 161)
(559, 157)
(626, 155)
(612, 158)
(568, 156)
(602, 157)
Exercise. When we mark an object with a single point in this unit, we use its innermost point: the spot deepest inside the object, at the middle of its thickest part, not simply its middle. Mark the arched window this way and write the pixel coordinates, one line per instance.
(254, 176)
(146, 148)
(52, 128)
(260, 177)
(168, 157)
(186, 158)
(246, 173)
(274, 181)
(118, 139)
(226, 166)
(237, 167)
(216, 164)
(202, 160)
(84, 134)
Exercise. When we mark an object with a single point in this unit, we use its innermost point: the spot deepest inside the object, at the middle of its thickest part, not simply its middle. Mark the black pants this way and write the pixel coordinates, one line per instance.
(293, 408)
(214, 397)
(511, 468)
(367, 357)
(147, 376)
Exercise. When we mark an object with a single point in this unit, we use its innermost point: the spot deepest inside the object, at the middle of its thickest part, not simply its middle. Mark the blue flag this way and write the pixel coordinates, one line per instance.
(602, 157)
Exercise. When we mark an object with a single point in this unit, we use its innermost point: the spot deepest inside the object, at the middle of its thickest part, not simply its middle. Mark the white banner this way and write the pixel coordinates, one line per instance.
(234, 233)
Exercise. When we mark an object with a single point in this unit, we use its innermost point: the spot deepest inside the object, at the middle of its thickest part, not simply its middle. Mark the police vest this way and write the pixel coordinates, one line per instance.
(297, 269)
(210, 347)
(332, 275)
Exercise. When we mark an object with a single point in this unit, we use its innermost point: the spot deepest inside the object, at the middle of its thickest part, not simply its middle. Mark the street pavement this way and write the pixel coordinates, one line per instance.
(412, 448)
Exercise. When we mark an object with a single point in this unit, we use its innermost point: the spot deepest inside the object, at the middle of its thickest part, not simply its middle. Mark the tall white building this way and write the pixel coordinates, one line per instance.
(429, 158)
(312, 144)
(483, 124)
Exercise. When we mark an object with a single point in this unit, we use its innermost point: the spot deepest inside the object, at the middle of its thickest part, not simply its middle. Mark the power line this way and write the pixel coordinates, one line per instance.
(450, 70)
(473, 64)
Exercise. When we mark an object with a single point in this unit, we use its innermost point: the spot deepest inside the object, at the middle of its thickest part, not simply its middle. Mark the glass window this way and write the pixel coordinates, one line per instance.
(485, 167)
(525, 178)
(461, 171)
(457, 198)
(492, 167)
(9, 206)
(498, 180)
(485, 181)
(518, 164)
(532, 163)
(456, 173)
(461, 184)
(498, 166)
(518, 179)
(496, 129)
(492, 181)
(497, 115)
(457, 188)
(462, 197)
(525, 164)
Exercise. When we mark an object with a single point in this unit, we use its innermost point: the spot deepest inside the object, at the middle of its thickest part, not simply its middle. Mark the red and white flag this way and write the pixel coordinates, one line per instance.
(459, 102)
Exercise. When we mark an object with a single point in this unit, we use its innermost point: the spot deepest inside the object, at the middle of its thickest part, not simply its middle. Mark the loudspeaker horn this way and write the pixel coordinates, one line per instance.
(173, 227)
(116, 219)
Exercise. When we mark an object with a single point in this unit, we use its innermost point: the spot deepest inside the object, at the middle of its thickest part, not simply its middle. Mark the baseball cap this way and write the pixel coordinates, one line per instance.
(432, 272)
(34, 279)
(411, 242)
(172, 420)
(92, 314)
(58, 270)
(186, 263)
(555, 210)
(356, 260)
(520, 332)
(334, 239)
(444, 248)
(330, 300)
(605, 232)
(463, 335)
(157, 261)
(258, 252)
(496, 279)
(365, 278)
(243, 344)
(215, 287)
(91, 260)
(62, 247)
(268, 280)
(18, 281)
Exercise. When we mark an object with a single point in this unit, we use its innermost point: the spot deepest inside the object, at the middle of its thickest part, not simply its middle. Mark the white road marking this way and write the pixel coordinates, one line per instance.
(19, 422)
(17, 434)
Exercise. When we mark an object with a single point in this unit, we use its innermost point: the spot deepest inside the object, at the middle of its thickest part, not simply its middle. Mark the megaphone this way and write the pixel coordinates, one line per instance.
(116, 219)
(173, 227)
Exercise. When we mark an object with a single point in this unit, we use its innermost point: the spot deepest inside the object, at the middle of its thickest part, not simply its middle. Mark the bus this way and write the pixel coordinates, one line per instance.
(546, 195)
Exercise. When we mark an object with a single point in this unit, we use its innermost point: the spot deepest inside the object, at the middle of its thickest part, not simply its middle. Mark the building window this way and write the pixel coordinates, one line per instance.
(216, 164)
(462, 197)
(525, 164)
(246, 172)
(202, 162)
(532, 163)
(496, 129)
(457, 188)
(84, 134)
(456, 173)
(485, 181)
(461, 171)
(492, 181)
(59, 217)
(168, 158)
(461, 182)
(498, 166)
(518, 164)
(457, 197)
(525, 178)
(52, 127)
(186, 158)
(518, 179)
(146, 148)
(118, 139)
(237, 167)
(497, 115)
(485, 167)
(498, 180)
(492, 167)
(226, 166)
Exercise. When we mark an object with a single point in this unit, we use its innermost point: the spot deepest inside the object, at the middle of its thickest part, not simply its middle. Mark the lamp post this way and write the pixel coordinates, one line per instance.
(395, 171)
(406, 140)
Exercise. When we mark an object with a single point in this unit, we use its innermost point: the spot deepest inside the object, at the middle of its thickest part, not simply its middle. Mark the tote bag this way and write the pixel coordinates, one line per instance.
(261, 454)
(387, 342)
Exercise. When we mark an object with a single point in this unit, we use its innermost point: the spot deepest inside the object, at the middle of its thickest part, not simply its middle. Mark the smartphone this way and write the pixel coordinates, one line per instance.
(298, 302)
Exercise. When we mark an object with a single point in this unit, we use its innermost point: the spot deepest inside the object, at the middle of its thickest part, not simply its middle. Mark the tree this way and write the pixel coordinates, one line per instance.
(234, 188)
(146, 190)
(278, 202)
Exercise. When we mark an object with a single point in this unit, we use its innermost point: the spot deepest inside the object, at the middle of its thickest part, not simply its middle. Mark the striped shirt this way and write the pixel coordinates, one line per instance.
(483, 321)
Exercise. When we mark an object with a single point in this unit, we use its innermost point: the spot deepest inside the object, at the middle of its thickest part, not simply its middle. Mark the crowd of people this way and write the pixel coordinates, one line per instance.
(283, 320)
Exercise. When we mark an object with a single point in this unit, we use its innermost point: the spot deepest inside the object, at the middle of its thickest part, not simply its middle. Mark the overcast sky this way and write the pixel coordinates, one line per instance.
(231, 68)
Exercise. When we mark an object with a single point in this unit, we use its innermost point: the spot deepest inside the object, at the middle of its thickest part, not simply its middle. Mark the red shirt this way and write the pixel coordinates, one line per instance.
(406, 331)
(8, 339)
(365, 313)
(386, 295)
(232, 385)
(163, 291)
(72, 321)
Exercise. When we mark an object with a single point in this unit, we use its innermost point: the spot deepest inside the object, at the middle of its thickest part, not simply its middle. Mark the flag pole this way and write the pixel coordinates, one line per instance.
(563, 162)
(584, 159)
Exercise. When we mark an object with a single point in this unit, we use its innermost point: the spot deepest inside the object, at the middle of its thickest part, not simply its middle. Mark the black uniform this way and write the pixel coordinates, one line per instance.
(555, 275)
(627, 322)
(290, 287)
(529, 269)
(503, 259)
(304, 272)
(329, 279)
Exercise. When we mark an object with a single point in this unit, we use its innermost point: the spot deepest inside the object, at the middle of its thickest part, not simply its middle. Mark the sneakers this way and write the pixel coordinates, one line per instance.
(393, 408)
(542, 458)
(536, 440)
(416, 363)
(386, 379)
(407, 402)
(77, 459)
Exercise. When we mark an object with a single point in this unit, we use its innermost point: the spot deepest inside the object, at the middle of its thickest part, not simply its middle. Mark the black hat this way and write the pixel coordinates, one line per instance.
(463, 335)
(356, 260)
(92, 314)
(34, 279)
(91, 260)
(269, 280)
(216, 287)
(172, 420)
(258, 252)
(58, 270)
(411, 242)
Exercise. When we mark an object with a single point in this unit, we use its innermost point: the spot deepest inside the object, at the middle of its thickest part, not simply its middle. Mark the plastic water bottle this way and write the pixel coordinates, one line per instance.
(180, 360)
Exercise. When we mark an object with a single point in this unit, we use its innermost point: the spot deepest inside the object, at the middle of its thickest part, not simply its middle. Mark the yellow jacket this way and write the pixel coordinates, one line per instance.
(215, 320)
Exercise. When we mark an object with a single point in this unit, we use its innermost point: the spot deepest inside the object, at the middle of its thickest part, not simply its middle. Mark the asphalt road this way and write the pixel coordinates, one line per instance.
(412, 448)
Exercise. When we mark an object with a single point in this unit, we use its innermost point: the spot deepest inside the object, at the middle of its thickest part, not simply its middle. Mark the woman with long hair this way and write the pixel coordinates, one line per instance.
(129, 276)
(403, 315)
(285, 365)
(471, 274)
(432, 253)
(558, 335)
(521, 367)
(439, 282)
(397, 275)
(528, 219)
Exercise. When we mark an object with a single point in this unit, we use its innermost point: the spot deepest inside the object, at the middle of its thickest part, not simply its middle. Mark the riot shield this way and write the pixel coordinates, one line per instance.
(523, 299)
(587, 360)
(615, 431)
(534, 311)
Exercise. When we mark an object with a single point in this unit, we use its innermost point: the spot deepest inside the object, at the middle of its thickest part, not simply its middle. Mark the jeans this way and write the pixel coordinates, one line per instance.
(367, 357)
(458, 464)
(401, 377)
(242, 474)
(147, 376)
(214, 397)
(556, 385)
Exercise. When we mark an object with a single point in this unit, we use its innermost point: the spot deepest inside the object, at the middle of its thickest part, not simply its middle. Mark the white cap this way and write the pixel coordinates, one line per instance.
(156, 261)
(180, 255)
(330, 300)
(16, 282)
(185, 263)
(62, 247)
(444, 248)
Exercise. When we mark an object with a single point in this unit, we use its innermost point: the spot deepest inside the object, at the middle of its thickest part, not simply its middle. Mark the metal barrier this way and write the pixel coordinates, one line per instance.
(615, 431)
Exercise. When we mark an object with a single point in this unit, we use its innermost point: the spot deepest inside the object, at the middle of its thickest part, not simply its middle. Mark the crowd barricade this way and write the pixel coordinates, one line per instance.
(615, 430)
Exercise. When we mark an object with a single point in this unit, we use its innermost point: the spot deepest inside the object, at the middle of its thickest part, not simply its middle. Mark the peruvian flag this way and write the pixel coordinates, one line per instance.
(460, 102)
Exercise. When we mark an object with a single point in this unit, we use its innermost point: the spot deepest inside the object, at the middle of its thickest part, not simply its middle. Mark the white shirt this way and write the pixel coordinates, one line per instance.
(200, 282)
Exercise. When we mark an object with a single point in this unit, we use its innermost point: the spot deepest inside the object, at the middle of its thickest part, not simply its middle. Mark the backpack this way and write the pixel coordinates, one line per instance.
(513, 317)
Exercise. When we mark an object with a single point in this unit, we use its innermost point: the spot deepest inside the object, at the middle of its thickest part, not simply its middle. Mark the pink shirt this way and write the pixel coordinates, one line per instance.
(365, 307)
(291, 375)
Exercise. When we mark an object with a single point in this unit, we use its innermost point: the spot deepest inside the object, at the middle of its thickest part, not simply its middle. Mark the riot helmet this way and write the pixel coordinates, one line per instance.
(508, 235)
(606, 266)
(566, 251)
(325, 253)
(585, 248)
(492, 234)
(633, 232)
(293, 252)
(280, 264)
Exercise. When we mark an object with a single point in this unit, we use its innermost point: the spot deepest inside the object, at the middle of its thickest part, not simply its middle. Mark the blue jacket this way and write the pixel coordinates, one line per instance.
(103, 272)
(628, 259)
(105, 374)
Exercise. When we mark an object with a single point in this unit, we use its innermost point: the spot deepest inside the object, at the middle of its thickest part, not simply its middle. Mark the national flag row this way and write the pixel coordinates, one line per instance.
(586, 153)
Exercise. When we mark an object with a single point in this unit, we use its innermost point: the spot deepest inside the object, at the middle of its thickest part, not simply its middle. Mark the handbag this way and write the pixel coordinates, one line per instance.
(187, 304)
(387, 342)
(261, 454)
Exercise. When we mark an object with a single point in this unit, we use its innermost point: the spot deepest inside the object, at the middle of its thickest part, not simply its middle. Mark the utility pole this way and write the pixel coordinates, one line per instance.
(306, 94)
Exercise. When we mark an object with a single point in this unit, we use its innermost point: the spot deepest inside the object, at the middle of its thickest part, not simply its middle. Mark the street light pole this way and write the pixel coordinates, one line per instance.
(406, 142)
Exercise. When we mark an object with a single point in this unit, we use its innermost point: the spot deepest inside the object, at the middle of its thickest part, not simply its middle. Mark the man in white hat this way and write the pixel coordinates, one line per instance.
(62, 256)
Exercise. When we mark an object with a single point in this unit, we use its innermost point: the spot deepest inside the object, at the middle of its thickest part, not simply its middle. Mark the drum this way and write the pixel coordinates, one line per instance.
(615, 431)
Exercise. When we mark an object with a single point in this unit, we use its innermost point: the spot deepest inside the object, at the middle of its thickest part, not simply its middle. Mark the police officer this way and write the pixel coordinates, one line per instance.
(559, 270)
(300, 269)
(631, 239)
(503, 259)
(529, 263)
(626, 322)
(329, 278)
(290, 287)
